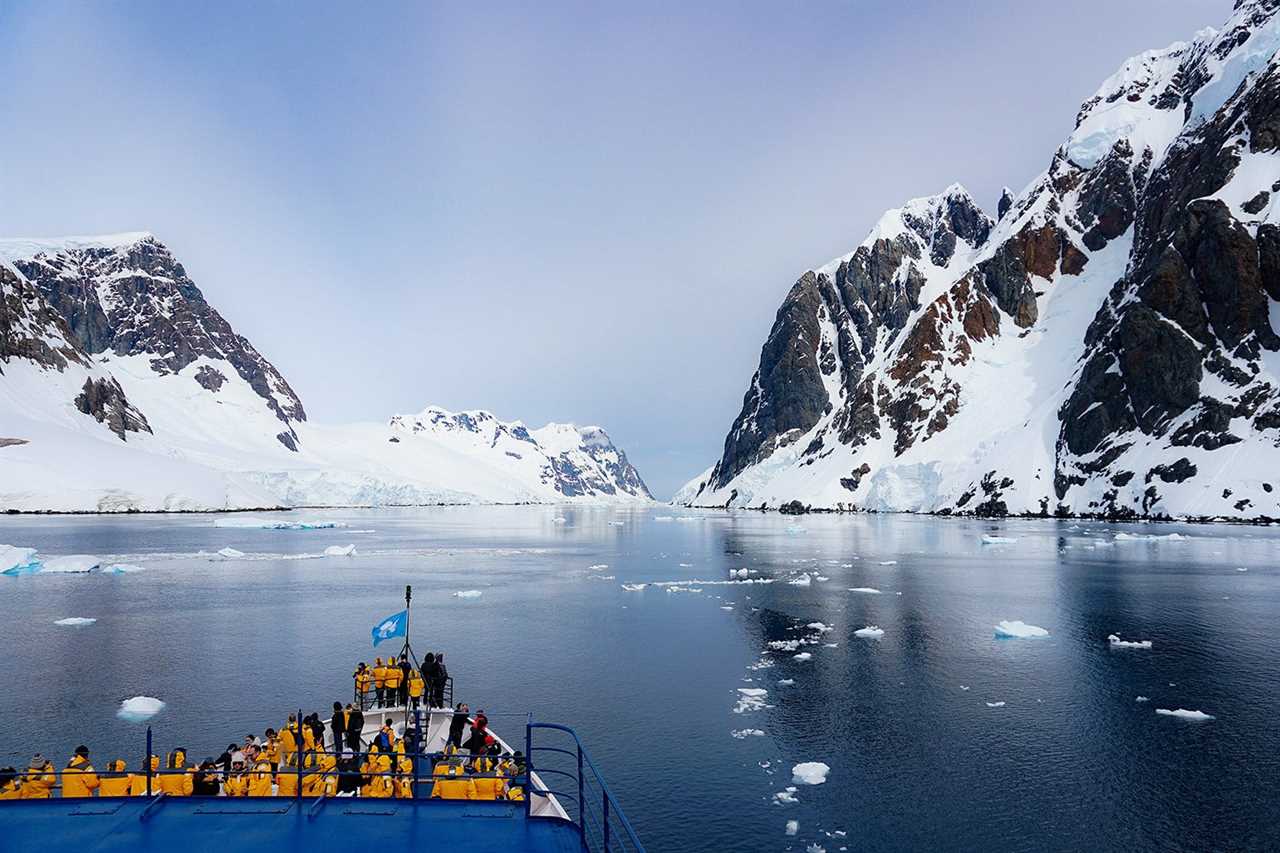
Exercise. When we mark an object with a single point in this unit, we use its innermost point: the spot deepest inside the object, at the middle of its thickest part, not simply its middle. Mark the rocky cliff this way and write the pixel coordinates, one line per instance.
(1107, 346)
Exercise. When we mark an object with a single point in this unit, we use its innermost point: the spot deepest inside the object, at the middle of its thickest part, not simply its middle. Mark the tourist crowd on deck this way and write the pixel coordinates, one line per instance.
(296, 760)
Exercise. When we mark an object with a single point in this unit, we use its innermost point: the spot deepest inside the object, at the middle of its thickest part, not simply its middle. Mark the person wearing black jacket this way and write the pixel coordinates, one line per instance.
(348, 773)
(337, 724)
(405, 669)
(457, 724)
(317, 729)
(355, 725)
(440, 675)
(204, 782)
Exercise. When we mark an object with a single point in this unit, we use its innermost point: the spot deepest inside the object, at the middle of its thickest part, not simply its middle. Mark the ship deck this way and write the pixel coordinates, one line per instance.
(197, 824)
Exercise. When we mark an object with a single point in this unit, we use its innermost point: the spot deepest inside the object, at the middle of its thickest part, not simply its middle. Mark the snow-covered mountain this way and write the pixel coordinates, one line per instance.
(1106, 345)
(122, 388)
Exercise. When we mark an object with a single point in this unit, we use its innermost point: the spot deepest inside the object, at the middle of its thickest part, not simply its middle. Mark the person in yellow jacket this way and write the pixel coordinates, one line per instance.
(312, 780)
(39, 780)
(237, 782)
(327, 767)
(454, 785)
(379, 682)
(404, 773)
(79, 779)
(270, 751)
(287, 777)
(138, 781)
(260, 779)
(115, 782)
(416, 688)
(10, 787)
(177, 780)
(488, 783)
(376, 770)
(392, 679)
(288, 739)
(364, 680)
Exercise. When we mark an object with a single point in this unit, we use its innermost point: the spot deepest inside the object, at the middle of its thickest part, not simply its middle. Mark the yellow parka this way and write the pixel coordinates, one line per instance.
(394, 675)
(312, 781)
(328, 767)
(416, 685)
(364, 678)
(237, 785)
(79, 779)
(138, 781)
(260, 779)
(379, 673)
(177, 780)
(115, 782)
(454, 785)
(10, 790)
(288, 740)
(38, 782)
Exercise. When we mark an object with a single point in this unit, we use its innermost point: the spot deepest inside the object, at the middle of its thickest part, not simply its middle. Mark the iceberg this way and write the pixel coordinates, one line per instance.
(1117, 643)
(1184, 714)
(810, 773)
(139, 709)
(340, 551)
(988, 539)
(75, 621)
(750, 699)
(230, 553)
(1017, 629)
(634, 587)
(75, 564)
(793, 826)
(18, 561)
(122, 569)
(281, 524)
(468, 593)
(868, 590)
(802, 657)
(871, 632)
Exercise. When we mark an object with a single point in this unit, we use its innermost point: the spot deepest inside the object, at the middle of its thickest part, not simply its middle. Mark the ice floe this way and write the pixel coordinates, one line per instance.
(819, 626)
(786, 682)
(701, 582)
(1184, 714)
(726, 607)
(139, 708)
(76, 564)
(988, 539)
(871, 632)
(742, 734)
(15, 560)
(802, 657)
(598, 567)
(275, 524)
(888, 562)
(468, 593)
(995, 704)
(800, 580)
(785, 645)
(793, 826)
(1142, 699)
(674, 588)
(122, 569)
(1241, 569)
(340, 551)
(867, 590)
(810, 773)
(1116, 642)
(230, 553)
(1016, 629)
(750, 699)
(75, 621)
(786, 797)
(815, 847)
(634, 587)
(1150, 537)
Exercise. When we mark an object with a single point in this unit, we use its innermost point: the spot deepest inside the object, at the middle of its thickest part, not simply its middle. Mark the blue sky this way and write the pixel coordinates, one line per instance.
(565, 211)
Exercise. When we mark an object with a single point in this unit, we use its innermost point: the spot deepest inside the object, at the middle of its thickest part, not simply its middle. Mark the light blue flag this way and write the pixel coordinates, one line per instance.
(392, 626)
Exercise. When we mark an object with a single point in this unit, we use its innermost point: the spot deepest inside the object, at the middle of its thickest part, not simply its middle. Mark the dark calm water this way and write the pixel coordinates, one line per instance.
(650, 679)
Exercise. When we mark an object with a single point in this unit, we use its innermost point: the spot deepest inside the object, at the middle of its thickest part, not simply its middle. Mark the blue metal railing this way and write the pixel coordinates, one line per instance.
(593, 809)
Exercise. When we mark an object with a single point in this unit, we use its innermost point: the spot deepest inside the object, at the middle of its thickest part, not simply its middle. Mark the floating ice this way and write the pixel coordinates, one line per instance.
(340, 551)
(664, 518)
(682, 588)
(871, 632)
(72, 564)
(786, 797)
(273, 524)
(810, 773)
(988, 539)
(786, 682)
(726, 607)
(785, 645)
(1116, 642)
(995, 704)
(122, 569)
(230, 553)
(793, 826)
(139, 708)
(743, 734)
(1142, 699)
(802, 657)
(15, 560)
(819, 626)
(1184, 714)
(1241, 569)
(888, 562)
(750, 699)
(468, 593)
(598, 567)
(559, 519)
(831, 645)
(800, 580)
(1017, 629)
(964, 687)
(821, 578)
(815, 847)
(1150, 537)
(75, 621)
(634, 587)
(868, 590)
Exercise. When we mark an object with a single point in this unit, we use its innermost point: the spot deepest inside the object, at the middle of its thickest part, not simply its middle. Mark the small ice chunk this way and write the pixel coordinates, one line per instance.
(964, 687)
(1149, 537)
(634, 587)
(800, 580)
(793, 826)
(122, 569)
(598, 567)
(664, 518)
(340, 551)
(1142, 699)
(75, 621)
(810, 773)
(888, 562)
(868, 590)
(249, 523)
(786, 682)
(1013, 629)
(819, 626)
(988, 539)
(802, 657)
(559, 519)
(995, 704)
(71, 564)
(786, 797)
(750, 699)
(831, 645)
(871, 632)
(1242, 568)
(743, 734)
(821, 578)
(1116, 642)
(726, 607)
(815, 847)
(230, 553)
(468, 593)
(1184, 714)
(139, 708)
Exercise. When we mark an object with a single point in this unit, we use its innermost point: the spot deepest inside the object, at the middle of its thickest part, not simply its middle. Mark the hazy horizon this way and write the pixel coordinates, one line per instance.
(569, 213)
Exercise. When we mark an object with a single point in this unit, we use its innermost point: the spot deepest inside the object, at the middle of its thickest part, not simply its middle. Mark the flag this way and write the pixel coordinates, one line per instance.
(392, 626)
